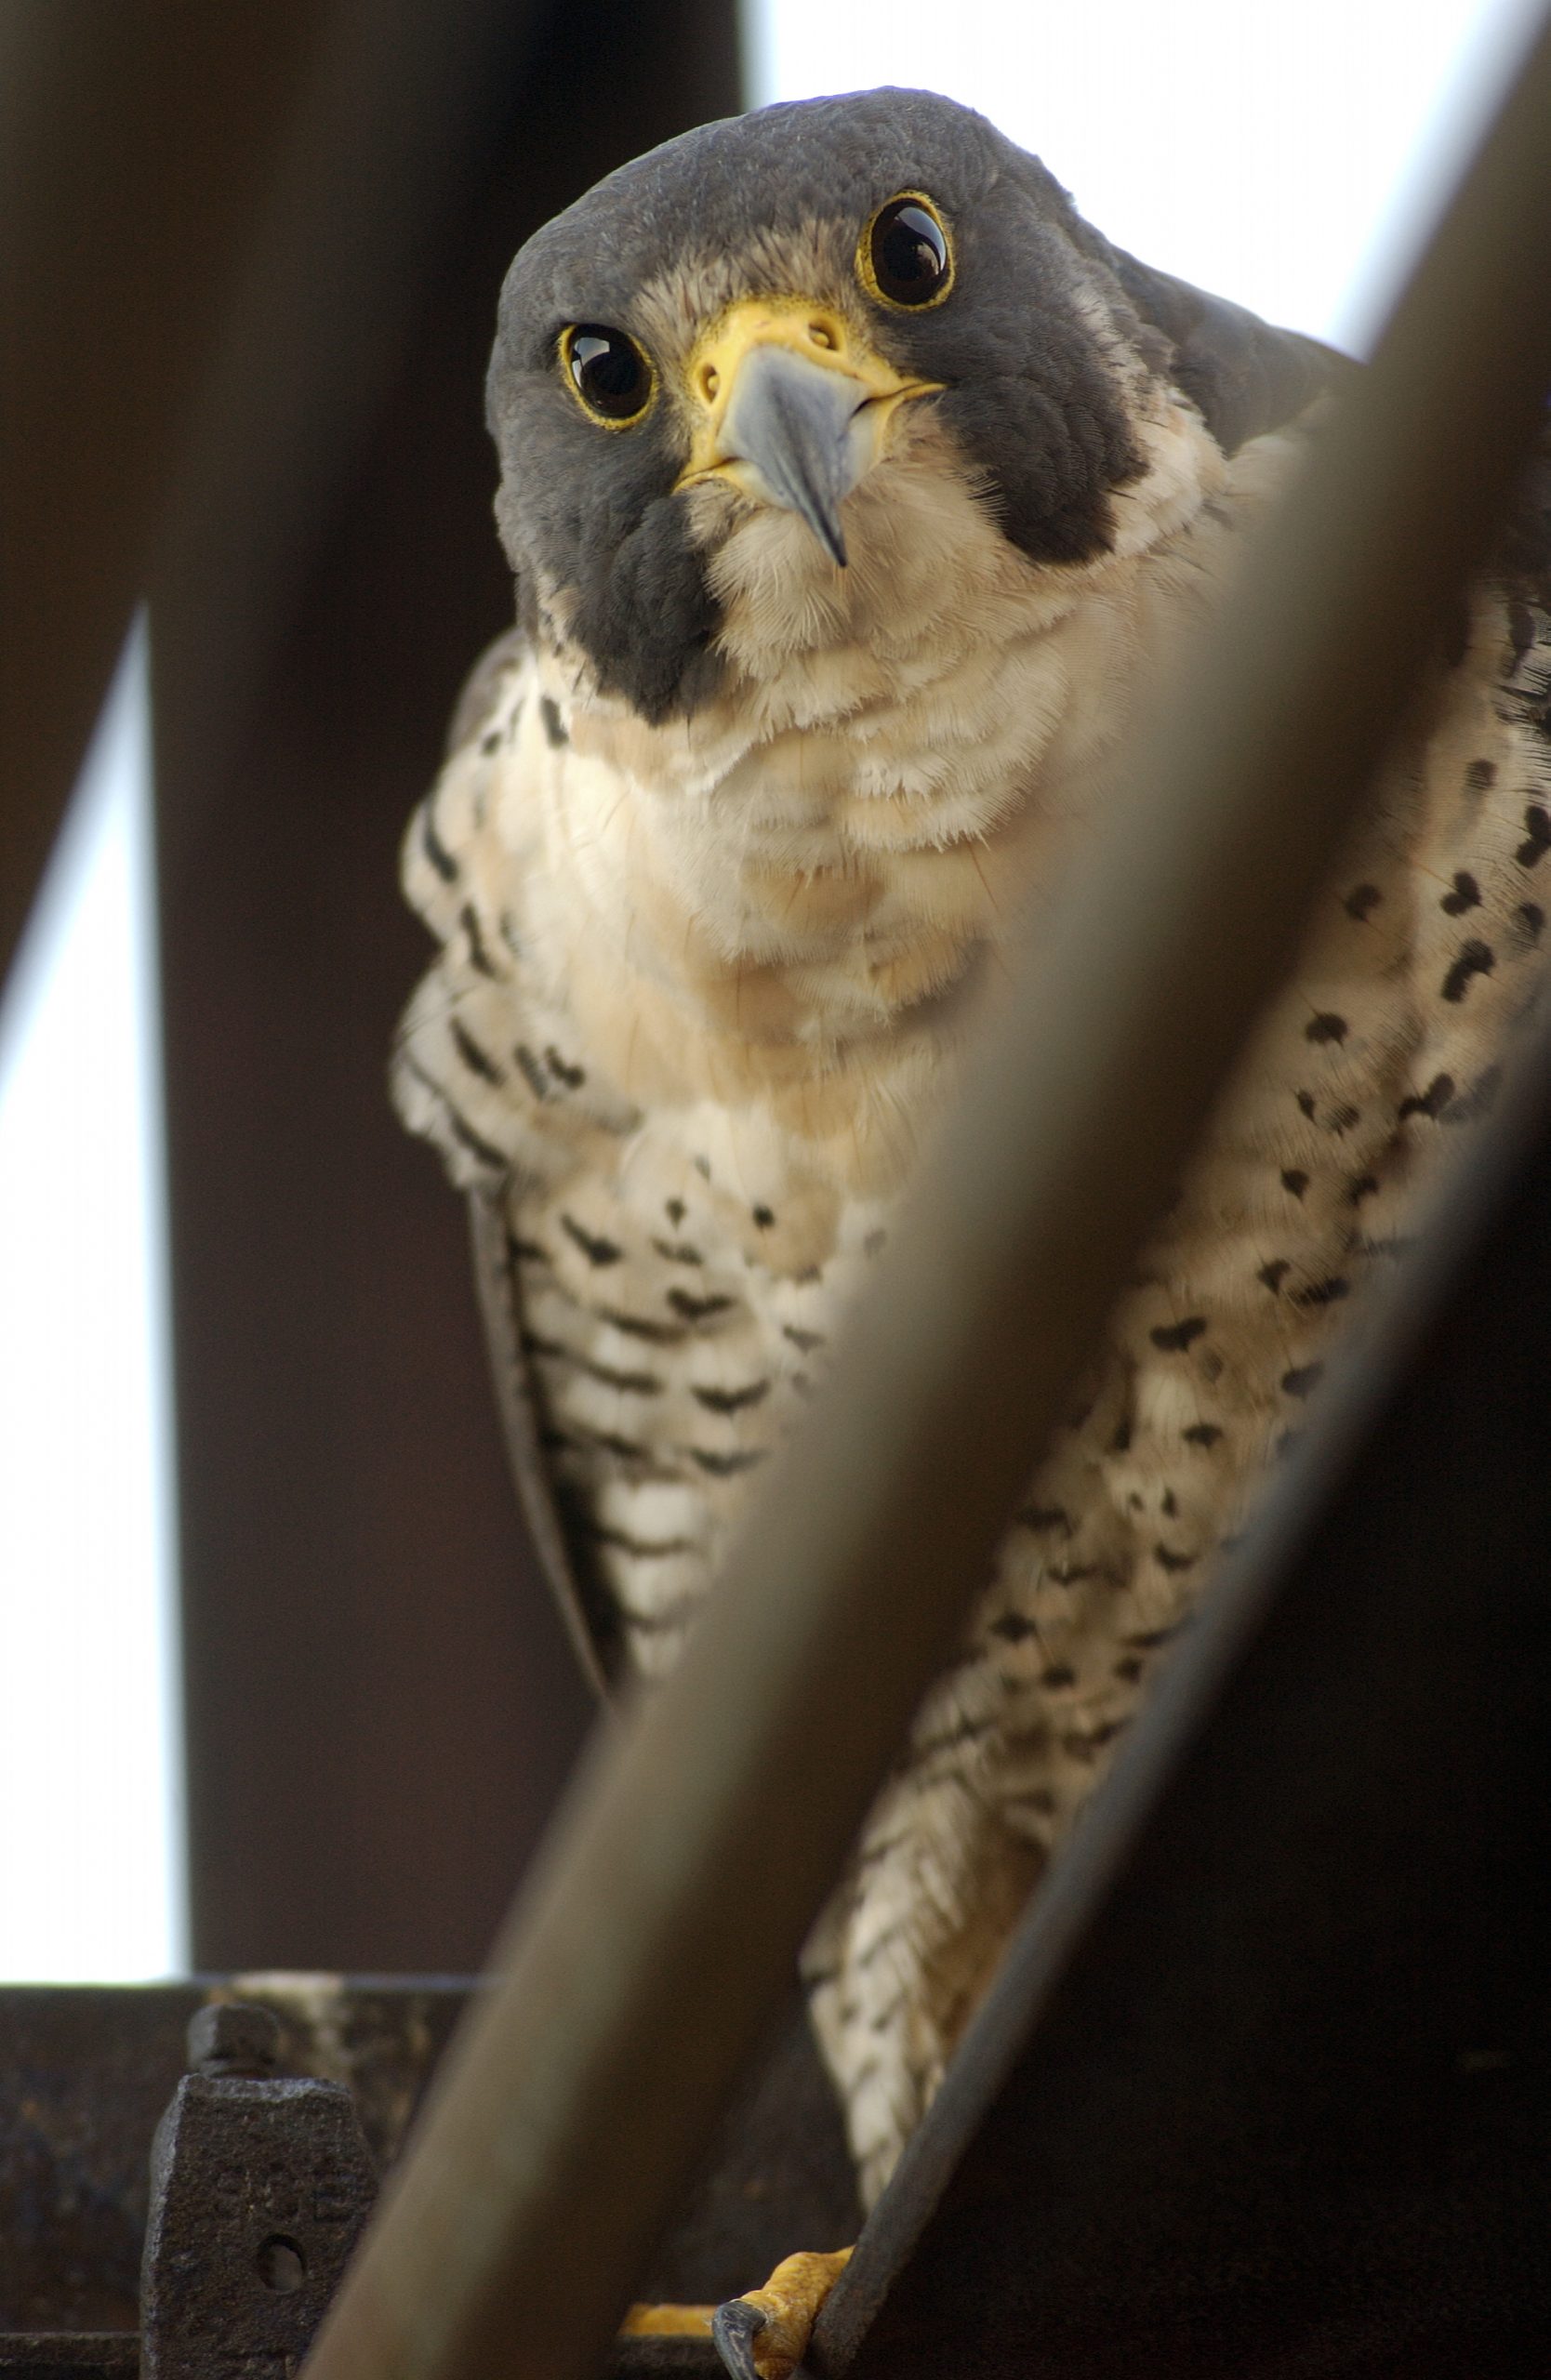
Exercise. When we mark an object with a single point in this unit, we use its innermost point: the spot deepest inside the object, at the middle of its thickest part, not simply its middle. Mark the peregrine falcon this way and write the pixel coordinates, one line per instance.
(856, 490)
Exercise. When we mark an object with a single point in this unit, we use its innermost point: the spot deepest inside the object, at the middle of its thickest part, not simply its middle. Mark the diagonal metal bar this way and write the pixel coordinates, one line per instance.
(698, 1841)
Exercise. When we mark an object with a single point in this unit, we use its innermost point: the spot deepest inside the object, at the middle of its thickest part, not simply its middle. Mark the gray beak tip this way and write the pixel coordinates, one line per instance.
(834, 541)
(792, 420)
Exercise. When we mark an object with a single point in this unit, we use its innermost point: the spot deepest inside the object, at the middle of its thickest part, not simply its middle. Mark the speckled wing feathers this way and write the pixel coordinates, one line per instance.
(1388, 1048)
(583, 1597)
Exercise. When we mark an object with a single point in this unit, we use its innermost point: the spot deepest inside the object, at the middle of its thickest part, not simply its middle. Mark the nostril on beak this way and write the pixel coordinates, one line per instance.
(710, 380)
(820, 334)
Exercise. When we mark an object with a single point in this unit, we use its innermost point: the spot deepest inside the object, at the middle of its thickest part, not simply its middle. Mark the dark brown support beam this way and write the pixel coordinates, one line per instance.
(380, 1704)
(135, 144)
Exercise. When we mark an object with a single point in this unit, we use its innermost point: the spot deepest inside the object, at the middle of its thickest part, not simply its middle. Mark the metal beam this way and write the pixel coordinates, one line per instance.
(136, 143)
(353, 1570)
(697, 1845)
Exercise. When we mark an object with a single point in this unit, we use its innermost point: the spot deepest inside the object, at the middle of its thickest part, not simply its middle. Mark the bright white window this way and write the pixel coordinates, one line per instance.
(1277, 155)
(91, 1853)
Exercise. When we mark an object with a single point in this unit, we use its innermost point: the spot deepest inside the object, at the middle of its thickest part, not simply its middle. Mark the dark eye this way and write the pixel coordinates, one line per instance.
(906, 258)
(608, 370)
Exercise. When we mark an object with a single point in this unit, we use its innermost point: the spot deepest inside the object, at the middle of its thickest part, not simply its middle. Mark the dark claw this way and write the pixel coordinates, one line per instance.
(732, 2326)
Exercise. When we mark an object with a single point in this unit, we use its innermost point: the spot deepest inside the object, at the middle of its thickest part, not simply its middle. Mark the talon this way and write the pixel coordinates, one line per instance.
(734, 2327)
(780, 2316)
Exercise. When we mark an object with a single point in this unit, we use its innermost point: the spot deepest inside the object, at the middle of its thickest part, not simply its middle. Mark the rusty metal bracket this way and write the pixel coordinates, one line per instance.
(259, 2185)
(86, 2070)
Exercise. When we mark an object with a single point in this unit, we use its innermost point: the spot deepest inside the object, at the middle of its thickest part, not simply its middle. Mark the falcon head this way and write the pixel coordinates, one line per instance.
(778, 319)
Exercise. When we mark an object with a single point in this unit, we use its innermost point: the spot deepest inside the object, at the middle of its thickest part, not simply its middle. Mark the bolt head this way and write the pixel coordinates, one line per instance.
(233, 2037)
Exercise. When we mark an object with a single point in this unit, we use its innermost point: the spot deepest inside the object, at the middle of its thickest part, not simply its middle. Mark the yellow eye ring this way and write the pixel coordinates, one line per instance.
(904, 255)
(608, 373)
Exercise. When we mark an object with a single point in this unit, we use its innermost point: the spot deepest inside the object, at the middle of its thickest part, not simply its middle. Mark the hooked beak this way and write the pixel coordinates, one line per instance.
(791, 408)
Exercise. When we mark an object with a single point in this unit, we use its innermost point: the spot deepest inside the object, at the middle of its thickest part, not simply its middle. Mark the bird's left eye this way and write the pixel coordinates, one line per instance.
(608, 370)
(904, 255)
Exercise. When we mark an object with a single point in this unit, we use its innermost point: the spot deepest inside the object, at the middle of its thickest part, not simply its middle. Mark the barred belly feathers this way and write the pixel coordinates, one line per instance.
(734, 829)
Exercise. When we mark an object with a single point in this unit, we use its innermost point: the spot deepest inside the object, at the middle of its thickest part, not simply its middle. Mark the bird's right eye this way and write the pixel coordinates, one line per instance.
(608, 370)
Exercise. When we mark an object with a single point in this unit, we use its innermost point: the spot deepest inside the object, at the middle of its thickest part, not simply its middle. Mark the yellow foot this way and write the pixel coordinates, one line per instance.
(765, 2335)
(668, 2322)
